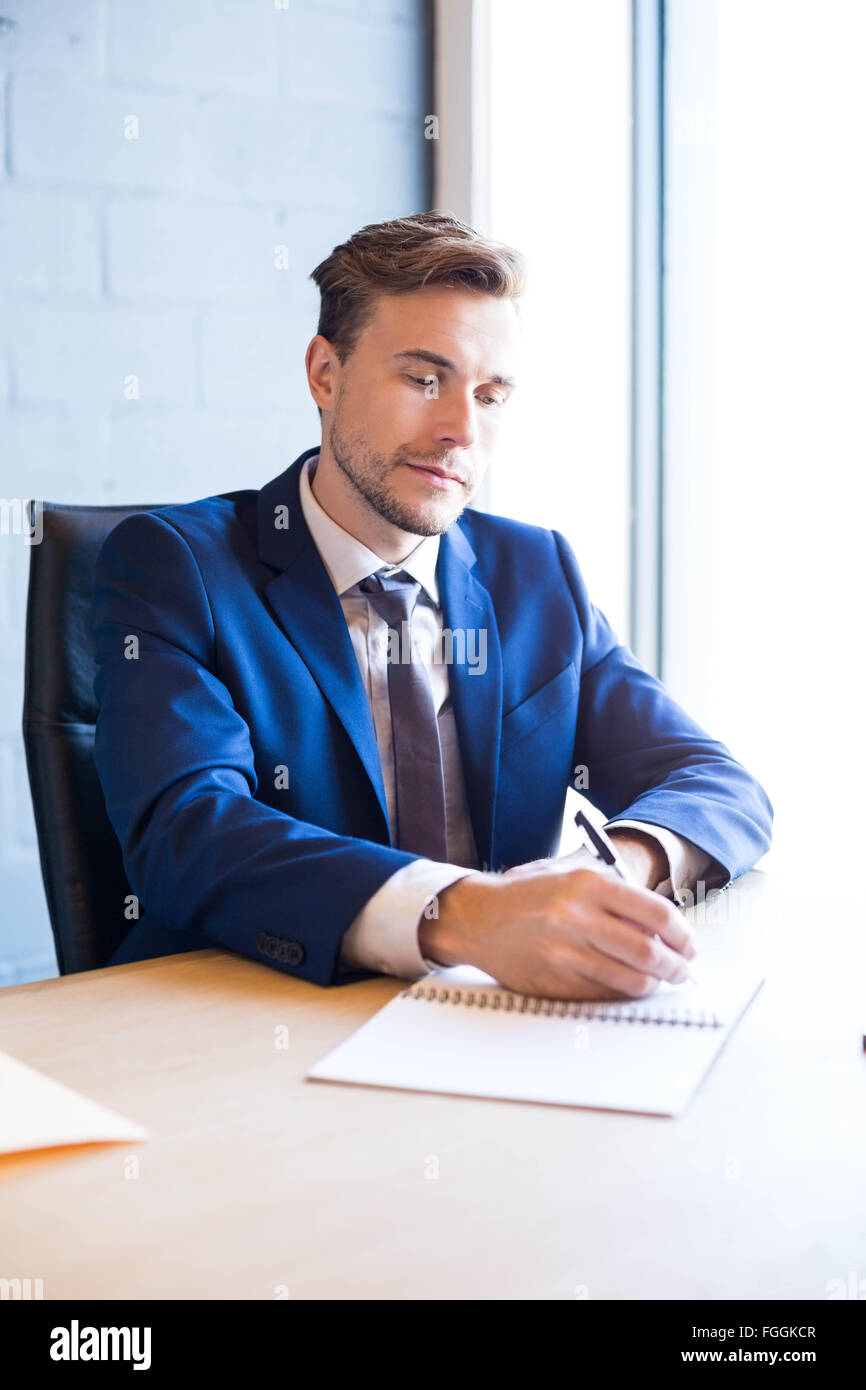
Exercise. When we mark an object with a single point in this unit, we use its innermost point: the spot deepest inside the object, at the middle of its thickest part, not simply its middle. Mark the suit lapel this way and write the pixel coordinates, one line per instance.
(476, 696)
(309, 611)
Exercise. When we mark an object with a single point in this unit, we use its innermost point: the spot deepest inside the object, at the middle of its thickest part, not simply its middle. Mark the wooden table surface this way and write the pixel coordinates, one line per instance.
(258, 1184)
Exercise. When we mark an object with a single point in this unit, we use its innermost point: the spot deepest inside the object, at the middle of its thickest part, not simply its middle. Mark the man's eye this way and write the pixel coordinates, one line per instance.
(423, 380)
(491, 400)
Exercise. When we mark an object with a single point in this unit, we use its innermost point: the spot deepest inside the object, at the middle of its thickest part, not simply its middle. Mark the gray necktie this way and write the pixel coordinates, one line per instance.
(414, 728)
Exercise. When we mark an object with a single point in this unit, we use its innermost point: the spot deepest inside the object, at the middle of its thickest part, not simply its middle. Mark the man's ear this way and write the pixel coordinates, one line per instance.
(319, 360)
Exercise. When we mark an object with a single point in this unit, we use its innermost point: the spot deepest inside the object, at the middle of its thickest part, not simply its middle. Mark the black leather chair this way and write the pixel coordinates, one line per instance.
(82, 865)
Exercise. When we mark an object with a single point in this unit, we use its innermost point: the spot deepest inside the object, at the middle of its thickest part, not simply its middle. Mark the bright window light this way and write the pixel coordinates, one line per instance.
(560, 172)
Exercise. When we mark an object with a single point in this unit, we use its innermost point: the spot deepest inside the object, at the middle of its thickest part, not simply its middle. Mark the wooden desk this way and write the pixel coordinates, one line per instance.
(257, 1180)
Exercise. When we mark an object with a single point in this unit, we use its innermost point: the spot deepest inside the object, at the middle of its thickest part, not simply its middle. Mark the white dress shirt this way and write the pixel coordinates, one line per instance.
(384, 935)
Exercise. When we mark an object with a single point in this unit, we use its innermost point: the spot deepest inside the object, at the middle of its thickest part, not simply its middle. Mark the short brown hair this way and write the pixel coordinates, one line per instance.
(408, 253)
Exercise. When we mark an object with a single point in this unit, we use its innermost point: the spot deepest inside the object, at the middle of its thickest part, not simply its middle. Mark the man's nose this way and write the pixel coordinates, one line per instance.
(455, 423)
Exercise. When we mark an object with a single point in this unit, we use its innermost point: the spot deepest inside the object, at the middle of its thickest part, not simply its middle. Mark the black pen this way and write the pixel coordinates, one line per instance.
(604, 848)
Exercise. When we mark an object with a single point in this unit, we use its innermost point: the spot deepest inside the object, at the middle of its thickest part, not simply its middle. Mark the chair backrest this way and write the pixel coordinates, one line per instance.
(82, 864)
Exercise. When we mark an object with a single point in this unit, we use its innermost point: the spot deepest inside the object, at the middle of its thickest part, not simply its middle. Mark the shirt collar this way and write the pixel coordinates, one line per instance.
(348, 560)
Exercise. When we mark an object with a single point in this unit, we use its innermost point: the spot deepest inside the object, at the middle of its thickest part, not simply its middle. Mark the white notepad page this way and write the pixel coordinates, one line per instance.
(458, 1031)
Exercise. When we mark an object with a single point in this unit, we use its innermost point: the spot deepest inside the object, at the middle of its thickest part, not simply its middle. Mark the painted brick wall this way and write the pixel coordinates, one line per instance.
(154, 155)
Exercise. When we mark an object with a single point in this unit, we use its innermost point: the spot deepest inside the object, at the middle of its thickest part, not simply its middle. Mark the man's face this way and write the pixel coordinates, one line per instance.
(425, 389)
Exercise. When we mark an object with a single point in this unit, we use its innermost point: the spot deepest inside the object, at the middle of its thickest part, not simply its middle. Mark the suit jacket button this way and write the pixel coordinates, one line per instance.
(294, 953)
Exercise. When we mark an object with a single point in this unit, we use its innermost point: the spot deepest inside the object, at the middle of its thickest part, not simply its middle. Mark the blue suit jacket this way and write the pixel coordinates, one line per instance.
(244, 666)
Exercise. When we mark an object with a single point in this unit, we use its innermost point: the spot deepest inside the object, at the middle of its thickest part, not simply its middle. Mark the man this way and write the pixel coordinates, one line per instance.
(338, 717)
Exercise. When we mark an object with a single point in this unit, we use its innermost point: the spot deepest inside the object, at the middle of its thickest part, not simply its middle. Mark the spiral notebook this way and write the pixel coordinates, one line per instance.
(457, 1031)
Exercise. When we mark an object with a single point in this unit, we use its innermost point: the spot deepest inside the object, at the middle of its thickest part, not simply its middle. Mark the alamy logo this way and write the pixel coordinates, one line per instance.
(20, 518)
(22, 1288)
(76, 1343)
(452, 647)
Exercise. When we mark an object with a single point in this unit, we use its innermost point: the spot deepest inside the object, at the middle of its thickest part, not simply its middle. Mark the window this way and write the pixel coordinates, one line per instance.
(765, 439)
(559, 173)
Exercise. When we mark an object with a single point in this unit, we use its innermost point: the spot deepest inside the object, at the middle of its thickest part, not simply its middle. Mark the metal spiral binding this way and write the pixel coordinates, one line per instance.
(508, 1002)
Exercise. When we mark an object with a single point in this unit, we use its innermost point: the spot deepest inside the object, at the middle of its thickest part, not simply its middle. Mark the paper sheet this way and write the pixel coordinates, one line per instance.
(38, 1113)
(460, 1048)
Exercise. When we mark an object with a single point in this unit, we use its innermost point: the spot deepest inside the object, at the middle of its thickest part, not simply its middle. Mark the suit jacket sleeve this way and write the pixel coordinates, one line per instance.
(686, 864)
(647, 760)
(177, 769)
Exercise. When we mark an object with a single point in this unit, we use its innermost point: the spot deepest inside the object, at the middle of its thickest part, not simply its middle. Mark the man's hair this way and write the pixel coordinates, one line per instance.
(406, 254)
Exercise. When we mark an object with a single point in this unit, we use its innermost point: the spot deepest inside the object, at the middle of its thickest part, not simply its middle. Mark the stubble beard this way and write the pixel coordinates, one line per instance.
(369, 471)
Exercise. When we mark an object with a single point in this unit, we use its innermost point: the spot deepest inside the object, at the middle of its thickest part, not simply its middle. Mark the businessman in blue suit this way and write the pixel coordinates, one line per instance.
(338, 716)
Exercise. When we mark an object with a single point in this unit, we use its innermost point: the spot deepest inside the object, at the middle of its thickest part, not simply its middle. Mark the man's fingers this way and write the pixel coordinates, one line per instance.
(646, 910)
(604, 976)
(615, 938)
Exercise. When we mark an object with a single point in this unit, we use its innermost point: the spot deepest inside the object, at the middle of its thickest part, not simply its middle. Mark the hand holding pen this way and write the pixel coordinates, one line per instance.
(560, 929)
(606, 851)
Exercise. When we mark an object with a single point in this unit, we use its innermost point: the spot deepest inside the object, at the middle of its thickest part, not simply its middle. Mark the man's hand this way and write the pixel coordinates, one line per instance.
(642, 856)
(562, 933)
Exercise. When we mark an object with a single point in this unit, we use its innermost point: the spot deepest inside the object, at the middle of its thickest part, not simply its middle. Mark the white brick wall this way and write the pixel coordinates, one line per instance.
(34, 227)
(76, 134)
(153, 154)
(172, 249)
(79, 354)
(52, 35)
(198, 46)
(249, 355)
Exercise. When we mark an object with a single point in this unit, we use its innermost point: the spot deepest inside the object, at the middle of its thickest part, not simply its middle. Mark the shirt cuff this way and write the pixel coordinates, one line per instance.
(687, 864)
(384, 935)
